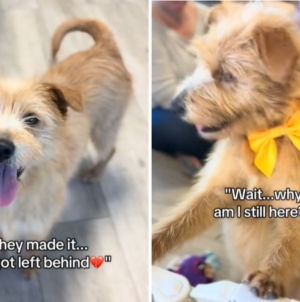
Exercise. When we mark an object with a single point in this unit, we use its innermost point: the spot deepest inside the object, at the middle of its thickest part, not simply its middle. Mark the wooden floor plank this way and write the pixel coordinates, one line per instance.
(18, 5)
(84, 201)
(21, 41)
(126, 194)
(15, 288)
(108, 283)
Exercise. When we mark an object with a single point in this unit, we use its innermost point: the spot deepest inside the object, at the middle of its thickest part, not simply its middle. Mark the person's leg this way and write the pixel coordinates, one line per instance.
(159, 136)
(170, 134)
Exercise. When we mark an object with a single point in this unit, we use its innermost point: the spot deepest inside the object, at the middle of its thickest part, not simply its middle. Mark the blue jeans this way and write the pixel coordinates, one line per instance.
(171, 135)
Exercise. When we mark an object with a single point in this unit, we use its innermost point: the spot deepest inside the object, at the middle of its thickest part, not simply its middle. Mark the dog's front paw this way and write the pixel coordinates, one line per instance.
(89, 176)
(265, 285)
(29, 273)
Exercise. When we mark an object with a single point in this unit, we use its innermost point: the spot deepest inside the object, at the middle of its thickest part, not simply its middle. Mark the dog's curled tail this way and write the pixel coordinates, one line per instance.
(95, 28)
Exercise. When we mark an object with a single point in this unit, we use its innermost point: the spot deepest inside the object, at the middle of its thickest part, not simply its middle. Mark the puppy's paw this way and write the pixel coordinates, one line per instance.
(29, 273)
(265, 285)
(90, 176)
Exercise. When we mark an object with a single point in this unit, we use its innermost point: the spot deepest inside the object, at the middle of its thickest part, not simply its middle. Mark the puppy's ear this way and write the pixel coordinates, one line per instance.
(64, 96)
(217, 13)
(221, 11)
(277, 51)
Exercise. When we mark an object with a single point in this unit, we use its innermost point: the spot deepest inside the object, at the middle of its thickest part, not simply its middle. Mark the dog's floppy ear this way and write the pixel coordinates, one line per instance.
(64, 96)
(221, 11)
(217, 13)
(277, 51)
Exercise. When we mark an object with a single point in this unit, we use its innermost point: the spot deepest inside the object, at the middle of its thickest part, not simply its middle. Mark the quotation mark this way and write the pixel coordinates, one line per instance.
(227, 190)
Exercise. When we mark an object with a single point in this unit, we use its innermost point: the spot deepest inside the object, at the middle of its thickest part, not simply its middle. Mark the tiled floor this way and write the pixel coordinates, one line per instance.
(110, 217)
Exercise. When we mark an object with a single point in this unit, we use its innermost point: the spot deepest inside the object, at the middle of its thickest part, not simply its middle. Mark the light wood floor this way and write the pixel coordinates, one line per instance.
(110, 217)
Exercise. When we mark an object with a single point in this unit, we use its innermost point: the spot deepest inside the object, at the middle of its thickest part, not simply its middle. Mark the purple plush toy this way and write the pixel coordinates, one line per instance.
(197, 269)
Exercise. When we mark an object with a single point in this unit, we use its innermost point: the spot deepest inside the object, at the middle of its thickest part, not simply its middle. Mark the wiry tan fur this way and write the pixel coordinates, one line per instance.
(100, 75)
(80, 103)
(260, 48)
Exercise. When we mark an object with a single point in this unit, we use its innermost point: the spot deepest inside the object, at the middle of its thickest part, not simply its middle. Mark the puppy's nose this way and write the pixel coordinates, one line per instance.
(178, 104)
(7, 149)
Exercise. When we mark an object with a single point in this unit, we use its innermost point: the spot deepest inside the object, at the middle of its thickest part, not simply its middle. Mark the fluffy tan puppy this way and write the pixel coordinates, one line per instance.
(247, 79)
(47, 127)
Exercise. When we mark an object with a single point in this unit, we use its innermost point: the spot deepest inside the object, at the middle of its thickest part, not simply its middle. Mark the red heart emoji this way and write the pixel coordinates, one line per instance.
(96, 262)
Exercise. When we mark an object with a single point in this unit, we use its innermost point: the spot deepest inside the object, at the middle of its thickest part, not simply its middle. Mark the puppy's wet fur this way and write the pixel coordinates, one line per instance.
(77, 108)
(247, 77)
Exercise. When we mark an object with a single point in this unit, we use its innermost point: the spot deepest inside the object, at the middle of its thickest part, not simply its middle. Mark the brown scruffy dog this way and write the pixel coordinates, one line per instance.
(248, 79)
(47, 127)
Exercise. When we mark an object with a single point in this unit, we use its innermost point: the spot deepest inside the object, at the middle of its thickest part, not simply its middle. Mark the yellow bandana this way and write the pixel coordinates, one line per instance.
(264, 145)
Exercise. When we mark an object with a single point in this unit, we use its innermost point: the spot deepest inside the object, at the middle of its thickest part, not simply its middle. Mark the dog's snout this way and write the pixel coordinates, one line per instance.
(178, 104)
(7, 149)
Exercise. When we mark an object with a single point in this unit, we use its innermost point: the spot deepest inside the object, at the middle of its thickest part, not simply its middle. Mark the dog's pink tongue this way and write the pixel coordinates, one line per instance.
(199, 128)
(8, 184)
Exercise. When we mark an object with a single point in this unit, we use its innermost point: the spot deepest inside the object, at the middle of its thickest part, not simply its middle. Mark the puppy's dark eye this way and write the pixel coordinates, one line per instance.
(228, 77)
(31, 120)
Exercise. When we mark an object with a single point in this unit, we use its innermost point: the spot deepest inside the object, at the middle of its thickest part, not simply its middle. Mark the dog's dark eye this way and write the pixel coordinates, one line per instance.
(31, 120)
(228, 77)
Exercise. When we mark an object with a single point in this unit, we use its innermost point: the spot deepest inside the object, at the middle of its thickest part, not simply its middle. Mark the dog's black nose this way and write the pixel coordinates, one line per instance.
(178, 103)
(7, 149)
